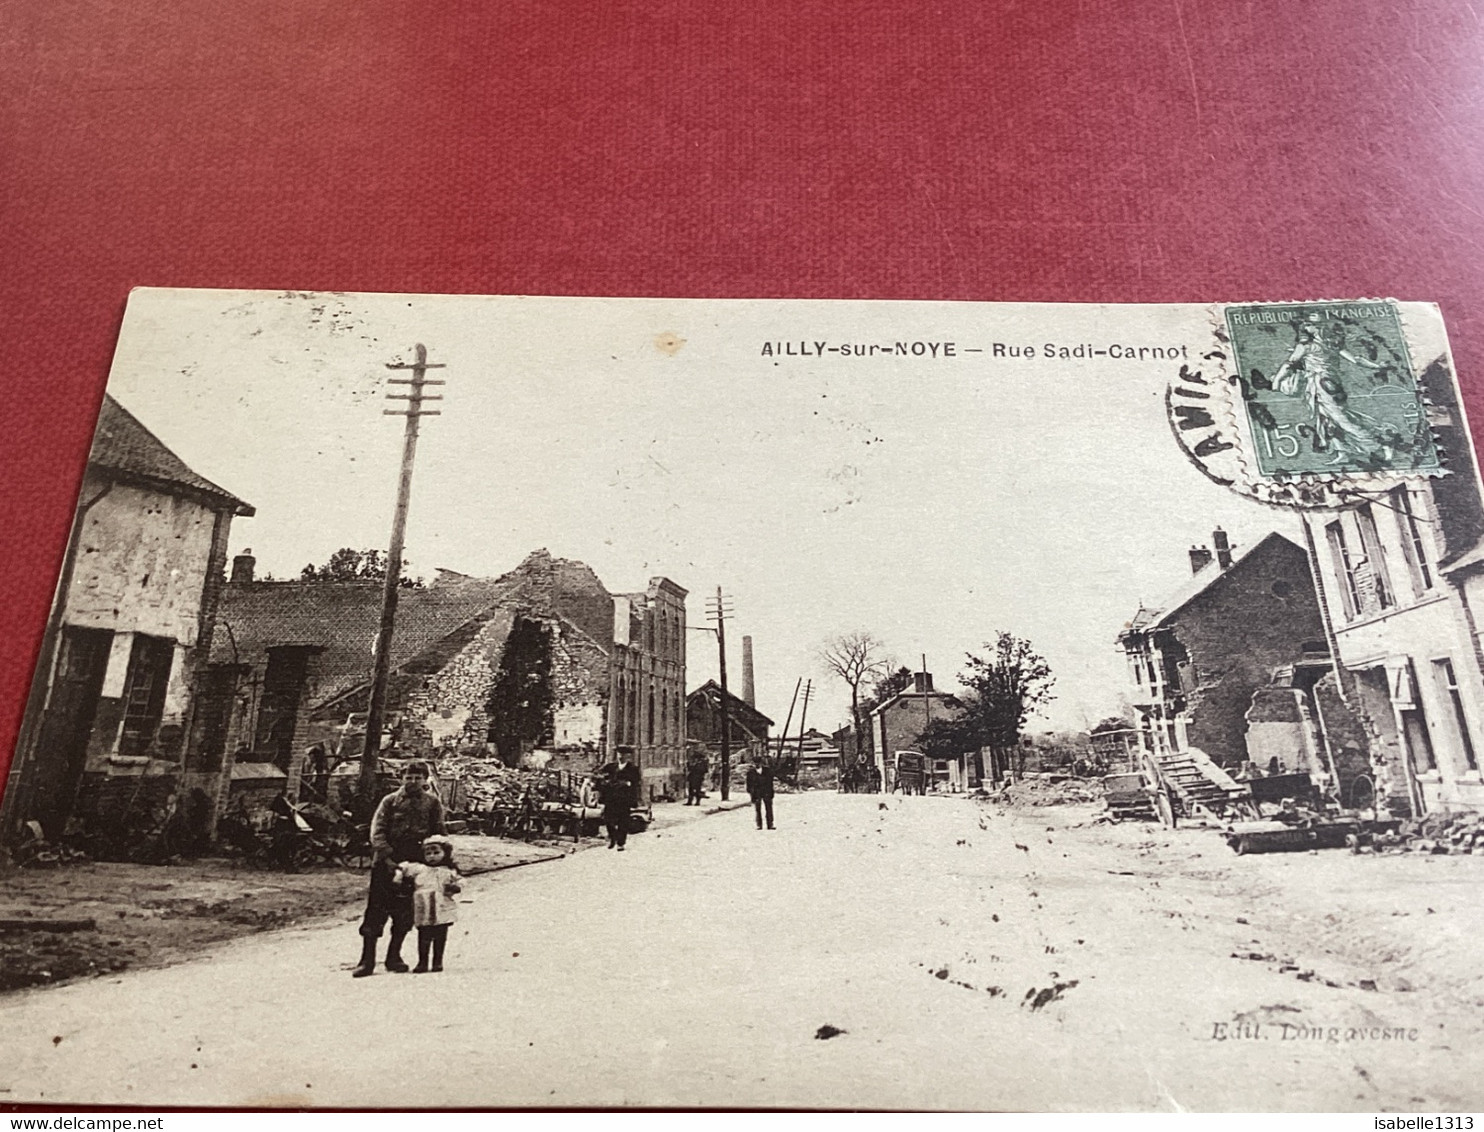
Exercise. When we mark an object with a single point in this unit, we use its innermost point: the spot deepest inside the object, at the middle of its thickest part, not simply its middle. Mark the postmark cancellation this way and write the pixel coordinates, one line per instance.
(1295, 403)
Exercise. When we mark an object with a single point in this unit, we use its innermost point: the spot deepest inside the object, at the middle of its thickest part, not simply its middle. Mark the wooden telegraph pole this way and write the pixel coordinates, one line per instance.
(803, 715)
(717, 611)
(793, 703)
(376, 712)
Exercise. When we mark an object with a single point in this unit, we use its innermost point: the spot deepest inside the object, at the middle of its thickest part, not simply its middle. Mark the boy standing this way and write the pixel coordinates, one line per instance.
(403, 820)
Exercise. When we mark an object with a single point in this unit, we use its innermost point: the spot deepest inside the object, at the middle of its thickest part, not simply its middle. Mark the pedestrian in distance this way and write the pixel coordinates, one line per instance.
(760, 790)
(403, 820)
(620, 787)
(695, 778)
(434, 882)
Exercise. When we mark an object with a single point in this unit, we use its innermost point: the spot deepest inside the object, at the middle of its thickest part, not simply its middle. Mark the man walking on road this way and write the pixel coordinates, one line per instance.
(695, 778)
(620, 791)
(403, 819)
(760, 790)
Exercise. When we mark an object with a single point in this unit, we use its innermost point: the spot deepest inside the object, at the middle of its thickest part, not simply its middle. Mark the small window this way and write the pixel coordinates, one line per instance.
(1370, 540)
(1339, 551)
(1414, 550)
(144, 692)
(1449, 683)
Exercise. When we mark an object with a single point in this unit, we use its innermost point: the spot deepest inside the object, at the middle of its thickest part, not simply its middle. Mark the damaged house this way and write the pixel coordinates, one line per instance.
(1402, 574)
(1234, 670)
(540, 667)
(112, 699)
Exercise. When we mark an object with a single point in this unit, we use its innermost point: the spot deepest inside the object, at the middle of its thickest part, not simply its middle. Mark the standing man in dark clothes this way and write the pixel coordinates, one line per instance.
(403, 819)
(620, 791)
(760, 790)
(695, 778)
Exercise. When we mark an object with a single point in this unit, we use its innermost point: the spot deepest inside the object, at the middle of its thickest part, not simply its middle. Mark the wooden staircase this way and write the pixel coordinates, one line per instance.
(1199, 783)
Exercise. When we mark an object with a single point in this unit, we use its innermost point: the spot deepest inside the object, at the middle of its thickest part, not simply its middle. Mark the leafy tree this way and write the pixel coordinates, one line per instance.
(350, 565)
(1005, 687)
(520, 704)
(855, 658)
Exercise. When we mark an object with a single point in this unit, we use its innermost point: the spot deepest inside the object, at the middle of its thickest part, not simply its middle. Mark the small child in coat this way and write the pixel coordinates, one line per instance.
(434, 882)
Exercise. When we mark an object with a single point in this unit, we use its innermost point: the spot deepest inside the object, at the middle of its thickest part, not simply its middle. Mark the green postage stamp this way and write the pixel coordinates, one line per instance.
(1328, 389)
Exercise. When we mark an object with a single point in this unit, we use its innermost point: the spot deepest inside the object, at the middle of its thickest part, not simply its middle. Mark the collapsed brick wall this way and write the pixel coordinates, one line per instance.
(1256, 617)
(1387, 754)
(448, 707)
(1349, 737)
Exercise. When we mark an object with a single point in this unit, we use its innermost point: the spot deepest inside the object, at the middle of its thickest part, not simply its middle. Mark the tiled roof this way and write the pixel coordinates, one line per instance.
(1199, 582)
(1469, 559)
(342, 618)
(711, 690)
(122, 444)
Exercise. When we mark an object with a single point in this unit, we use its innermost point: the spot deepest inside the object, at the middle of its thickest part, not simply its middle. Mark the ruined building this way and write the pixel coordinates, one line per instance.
(542, 666)
(1235, 668)
(1402, 575)
(132, 622)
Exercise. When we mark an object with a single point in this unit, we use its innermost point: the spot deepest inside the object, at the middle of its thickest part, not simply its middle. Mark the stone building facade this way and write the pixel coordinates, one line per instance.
(648, 682)
(1402, 575)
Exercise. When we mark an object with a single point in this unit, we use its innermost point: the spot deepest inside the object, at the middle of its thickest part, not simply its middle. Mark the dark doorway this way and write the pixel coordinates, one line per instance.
(62, 748)
(278, 715)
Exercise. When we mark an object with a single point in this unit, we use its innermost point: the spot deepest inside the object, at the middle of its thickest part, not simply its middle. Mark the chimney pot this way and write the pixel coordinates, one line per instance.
(1223, 548)
(242, 568)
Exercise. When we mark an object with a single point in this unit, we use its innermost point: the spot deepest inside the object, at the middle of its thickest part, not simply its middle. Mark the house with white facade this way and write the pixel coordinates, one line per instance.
(1401, 577)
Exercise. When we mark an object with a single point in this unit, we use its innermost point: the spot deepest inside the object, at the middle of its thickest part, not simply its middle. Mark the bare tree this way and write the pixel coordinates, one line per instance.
(855, 658)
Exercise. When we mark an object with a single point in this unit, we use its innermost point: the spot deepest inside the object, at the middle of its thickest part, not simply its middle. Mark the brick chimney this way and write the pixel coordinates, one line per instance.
(922, 682)
(242, 567)
(1223, 548)
(1200, 558)
(749, 690)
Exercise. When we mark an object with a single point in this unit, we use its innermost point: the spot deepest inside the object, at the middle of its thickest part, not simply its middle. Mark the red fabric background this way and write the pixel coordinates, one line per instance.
(1081, 150)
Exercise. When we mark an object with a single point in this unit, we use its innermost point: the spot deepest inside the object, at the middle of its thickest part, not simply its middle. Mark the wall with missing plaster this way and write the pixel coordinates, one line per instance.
(141, 563)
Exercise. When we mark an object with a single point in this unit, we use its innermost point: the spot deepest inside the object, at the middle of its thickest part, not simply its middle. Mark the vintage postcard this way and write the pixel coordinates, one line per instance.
(459, 701)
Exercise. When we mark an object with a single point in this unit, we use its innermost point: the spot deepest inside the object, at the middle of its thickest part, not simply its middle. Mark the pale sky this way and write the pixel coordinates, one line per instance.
(929, 501)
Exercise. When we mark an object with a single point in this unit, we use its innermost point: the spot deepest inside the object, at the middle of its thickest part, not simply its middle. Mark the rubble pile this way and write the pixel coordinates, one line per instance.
(1048, 791)
(477, 785)
(1456, 833)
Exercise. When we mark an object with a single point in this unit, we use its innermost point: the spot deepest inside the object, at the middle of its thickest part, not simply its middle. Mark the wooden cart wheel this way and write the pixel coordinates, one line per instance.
(1166, 808)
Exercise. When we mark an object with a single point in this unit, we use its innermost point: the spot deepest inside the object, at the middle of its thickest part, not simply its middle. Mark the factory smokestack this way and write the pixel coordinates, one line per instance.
(749, 692)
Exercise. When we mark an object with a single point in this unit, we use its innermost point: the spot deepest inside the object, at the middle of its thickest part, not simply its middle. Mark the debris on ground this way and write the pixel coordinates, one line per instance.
(1049, 790)
(1460, 833)
(826, 1032)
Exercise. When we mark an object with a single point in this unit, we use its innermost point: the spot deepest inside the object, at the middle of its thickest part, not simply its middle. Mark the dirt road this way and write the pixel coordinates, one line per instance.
(960, 956)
